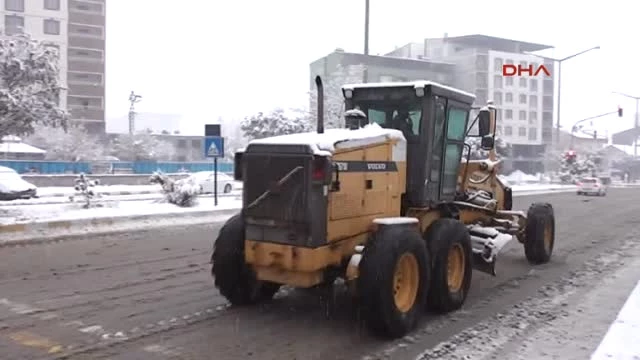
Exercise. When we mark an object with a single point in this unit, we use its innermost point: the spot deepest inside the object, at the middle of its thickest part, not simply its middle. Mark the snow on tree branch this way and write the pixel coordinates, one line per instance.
(142, 146)
(503, 149)
(30, 87)
(74, 144)
(333, 98)
(275, 123)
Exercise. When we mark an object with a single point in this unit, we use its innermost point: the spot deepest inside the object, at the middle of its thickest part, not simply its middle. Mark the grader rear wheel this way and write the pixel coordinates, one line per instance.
(394, 275)
(450, 246)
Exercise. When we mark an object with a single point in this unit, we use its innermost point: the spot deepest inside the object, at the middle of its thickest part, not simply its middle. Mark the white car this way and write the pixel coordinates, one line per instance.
(13, 187)
(205, 179)
(591, 186)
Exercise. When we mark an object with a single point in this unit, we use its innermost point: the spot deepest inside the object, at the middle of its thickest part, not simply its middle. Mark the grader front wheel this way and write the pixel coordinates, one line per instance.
(540, 233)
(394, 275)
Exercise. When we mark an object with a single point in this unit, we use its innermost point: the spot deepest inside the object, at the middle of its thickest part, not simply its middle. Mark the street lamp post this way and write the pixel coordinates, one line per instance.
(559, 61)
(133, 99)
(635, 122)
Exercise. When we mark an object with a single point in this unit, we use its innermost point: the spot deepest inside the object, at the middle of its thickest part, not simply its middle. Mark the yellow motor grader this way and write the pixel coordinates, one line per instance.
(391, 204)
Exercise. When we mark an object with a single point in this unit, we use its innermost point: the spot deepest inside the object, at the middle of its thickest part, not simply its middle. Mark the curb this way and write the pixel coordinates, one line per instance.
(144, 192)
(51, 231)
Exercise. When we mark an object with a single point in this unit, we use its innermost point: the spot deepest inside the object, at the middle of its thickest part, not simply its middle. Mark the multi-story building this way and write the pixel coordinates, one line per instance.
(525, 103)
(77, 29)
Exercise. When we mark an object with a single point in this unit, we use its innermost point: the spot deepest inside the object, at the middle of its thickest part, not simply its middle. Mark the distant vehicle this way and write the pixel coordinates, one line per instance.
(13, 187)
(591, 186)
(205, 180)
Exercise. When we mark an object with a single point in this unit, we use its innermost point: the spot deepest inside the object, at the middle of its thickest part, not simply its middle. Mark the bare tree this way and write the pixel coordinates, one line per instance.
(30, 88)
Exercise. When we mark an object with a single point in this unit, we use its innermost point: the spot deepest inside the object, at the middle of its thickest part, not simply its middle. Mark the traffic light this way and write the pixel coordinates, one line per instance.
(619, 111)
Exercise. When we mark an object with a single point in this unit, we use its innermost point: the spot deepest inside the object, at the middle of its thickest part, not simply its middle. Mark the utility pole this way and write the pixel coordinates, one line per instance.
(365, 73)
(636, 122)
(560, 61)
(133, 99)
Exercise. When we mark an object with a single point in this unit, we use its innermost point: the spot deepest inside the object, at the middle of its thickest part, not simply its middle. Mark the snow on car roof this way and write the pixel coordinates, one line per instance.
(326, 143)
(416, 84)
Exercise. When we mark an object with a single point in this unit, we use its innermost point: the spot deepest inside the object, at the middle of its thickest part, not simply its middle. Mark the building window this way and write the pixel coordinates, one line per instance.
(482, 80)
(51, 27)
(85, 103)
(533, 101)
(523, 99)
(85, 54)
(533, 133)
(84, 78)
(533, 84)
(508, 131)
(196, 144)
(13, 25)
(509, 81)
(523, 64)
(522, 131)
(497, 97)
(533, 117)
(509, 61)
(182, 143)
(497, 65)
(86, 30)
(386, 78)
(508, 97)
(508, 114)
(522, 115)
(547, 119)
(499, 129)
(52, 4)
(14, 5)
(523, 82)
(497, 81)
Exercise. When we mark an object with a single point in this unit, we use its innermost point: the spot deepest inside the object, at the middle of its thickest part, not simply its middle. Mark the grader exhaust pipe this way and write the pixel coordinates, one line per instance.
(320, 115)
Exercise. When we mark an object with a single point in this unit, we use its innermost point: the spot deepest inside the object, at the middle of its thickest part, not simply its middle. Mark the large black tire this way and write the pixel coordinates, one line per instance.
(540, 233)
(376, 287)
(235, 280)
(445, 236)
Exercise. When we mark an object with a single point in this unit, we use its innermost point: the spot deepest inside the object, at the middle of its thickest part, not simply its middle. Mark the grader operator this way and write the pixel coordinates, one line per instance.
(401, 215)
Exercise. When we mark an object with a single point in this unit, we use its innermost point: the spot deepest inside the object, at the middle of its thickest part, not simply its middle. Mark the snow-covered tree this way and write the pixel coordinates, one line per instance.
(503, 149)
(141, 146)
(274, 123)
(85, 188)
(574, 165)
(183, 192)
(74, 144)
(234, 138)
(30, 87)
(333, 98)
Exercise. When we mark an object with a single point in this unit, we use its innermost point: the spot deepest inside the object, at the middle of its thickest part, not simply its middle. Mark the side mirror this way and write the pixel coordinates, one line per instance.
(487, 142)
(237, 166)
(484, 123)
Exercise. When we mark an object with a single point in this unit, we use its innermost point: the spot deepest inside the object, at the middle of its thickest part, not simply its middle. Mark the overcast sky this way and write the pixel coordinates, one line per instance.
(210, 59)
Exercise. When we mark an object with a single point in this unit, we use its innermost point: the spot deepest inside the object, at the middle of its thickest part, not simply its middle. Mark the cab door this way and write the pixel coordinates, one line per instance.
(456, 128)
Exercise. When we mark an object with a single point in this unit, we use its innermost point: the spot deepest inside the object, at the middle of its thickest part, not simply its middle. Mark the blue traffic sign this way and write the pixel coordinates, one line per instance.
(214, 146)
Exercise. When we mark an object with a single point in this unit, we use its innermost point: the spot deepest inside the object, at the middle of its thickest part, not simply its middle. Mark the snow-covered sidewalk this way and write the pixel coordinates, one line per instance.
(73, 211)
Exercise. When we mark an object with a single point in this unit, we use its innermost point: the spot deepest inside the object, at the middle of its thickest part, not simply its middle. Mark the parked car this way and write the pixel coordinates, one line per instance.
(591, 186)
(13, 187)
(205, 180)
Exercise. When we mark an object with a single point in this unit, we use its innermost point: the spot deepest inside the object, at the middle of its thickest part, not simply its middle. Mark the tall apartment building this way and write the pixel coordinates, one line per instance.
(77, 29)
(525, 104)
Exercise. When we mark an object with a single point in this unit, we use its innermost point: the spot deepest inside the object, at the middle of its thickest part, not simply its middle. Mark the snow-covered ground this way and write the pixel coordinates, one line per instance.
(74, 211)
(68, 190)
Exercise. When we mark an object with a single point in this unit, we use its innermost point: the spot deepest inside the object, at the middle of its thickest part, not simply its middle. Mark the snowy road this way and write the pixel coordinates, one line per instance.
(149, 295)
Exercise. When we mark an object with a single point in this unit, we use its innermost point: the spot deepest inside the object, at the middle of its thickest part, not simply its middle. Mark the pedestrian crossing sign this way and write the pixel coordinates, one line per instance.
(214, 146)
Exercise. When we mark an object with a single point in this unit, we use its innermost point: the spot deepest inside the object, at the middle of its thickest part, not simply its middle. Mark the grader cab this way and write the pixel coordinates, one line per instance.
(391, 204)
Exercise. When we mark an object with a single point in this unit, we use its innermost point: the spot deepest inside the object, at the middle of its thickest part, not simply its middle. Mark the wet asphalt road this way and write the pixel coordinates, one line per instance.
(149, 295)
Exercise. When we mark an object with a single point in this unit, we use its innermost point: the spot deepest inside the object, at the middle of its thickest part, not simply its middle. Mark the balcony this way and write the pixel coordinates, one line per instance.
(80, 113)
(86, 42)
(76, 89)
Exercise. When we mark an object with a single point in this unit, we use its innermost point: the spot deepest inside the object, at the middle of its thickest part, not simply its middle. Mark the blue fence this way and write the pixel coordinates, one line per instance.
(137, 167)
